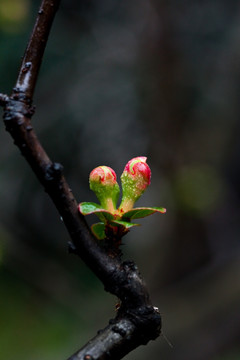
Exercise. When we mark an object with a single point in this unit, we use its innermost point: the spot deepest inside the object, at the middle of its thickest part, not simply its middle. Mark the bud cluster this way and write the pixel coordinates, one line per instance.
(135, 179)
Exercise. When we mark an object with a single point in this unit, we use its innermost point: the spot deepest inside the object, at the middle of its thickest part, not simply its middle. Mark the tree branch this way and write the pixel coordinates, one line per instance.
(114, 342)
(137, 321)
(32, 58)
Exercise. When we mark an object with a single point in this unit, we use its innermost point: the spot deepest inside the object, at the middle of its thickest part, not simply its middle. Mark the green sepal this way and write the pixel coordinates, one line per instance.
(104, 192)
(98, 230)
(142, 212)
(88, 208)
(126, 224)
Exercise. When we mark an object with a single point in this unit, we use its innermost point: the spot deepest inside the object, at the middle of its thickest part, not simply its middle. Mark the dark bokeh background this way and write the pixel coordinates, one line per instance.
(122, 79)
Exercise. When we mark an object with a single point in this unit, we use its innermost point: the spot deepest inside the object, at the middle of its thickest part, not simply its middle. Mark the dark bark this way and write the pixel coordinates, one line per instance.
(32, 58)
(113, 342)
(137, 321)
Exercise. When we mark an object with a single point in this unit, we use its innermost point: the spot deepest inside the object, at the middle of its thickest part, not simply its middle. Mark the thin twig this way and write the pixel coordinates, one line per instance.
(137, 321)
(32, 59)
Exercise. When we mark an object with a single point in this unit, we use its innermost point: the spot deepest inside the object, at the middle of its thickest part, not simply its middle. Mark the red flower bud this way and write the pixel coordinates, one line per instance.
(104, 175)
(135, 179)
(139, 170)
(103, 181)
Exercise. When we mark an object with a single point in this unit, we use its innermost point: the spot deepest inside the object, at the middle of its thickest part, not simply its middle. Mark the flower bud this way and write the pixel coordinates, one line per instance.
(103, 181)
(135, 179)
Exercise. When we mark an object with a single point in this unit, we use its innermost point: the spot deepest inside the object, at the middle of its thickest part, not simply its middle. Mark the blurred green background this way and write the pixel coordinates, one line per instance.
(122, 79)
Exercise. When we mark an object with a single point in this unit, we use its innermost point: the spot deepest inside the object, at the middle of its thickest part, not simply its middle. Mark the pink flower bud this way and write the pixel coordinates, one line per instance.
(103, 181)
(104, 175)
(139, 170)
(135, 179)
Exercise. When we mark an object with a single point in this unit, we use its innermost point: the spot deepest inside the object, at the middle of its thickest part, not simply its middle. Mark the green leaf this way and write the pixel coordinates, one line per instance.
(98, 230)
(142, 212)
(88, 208)
(126, 224)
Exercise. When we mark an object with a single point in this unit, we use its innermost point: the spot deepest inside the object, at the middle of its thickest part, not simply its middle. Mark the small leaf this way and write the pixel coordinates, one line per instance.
(98, 230)
(126, 224)
(142, 212)
(88, 208)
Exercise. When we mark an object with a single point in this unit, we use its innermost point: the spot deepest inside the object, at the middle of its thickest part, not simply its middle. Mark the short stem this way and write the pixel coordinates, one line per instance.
(126, 205)
(108, 205)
